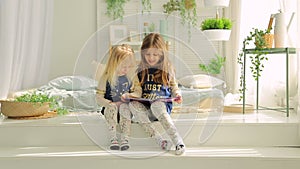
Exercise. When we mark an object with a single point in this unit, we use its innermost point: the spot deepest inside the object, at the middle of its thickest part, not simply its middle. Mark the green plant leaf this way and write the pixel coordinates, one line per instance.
(42, 98)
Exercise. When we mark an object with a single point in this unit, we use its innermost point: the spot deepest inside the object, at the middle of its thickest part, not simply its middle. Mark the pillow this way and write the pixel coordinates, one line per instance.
(73, 83)
(200, 81)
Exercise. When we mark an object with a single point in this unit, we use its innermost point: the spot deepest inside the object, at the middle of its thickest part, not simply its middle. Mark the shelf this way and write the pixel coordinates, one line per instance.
(272, 50)
(268, 51)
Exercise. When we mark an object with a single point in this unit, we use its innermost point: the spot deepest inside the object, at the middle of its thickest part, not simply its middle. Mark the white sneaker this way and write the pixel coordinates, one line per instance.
(125, 145)
(114, 144)
(179, 149)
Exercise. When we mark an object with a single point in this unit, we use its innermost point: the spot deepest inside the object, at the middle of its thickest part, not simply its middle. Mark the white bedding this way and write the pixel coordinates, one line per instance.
(78, 93)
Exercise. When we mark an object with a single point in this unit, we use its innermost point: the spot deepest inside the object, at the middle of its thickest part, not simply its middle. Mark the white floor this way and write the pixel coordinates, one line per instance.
(264, 139)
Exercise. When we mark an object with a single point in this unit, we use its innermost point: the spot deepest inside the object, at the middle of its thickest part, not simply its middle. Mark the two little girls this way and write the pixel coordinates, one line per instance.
(155, 80)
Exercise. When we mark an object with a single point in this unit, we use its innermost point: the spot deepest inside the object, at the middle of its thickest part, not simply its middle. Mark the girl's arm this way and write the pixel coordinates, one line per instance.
(101, 89)
(136, 90)
(175, 90)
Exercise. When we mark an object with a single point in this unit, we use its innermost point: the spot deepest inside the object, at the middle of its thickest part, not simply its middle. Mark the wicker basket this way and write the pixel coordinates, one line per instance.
(23, 109)
(269, 38)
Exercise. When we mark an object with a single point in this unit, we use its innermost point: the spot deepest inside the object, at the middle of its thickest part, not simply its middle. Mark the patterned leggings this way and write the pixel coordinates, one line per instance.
(110, 114)
(158, 109)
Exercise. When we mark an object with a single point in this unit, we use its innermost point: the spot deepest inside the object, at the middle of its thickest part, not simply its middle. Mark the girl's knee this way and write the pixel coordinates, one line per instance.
(124, 111)
(158, 108)
(136, 106)
(110, 109)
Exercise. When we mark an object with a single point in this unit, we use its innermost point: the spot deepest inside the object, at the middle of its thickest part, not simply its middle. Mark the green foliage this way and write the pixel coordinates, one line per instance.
(146, 5)
(115, 8)
(187, 10)
(215, 65)
(257, 59)
(151, 27)
(216, 23)
(171, 6)
(40, 98)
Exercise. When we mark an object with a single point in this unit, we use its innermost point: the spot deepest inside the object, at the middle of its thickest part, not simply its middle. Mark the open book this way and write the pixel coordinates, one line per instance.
(166, 99)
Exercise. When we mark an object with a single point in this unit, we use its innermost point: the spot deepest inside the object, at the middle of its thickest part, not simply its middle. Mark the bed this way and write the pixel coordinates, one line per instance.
(78, 93)
(200, 93)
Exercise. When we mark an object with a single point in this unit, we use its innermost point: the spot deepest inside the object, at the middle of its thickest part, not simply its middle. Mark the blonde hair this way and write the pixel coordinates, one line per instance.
(164, 67)
(117, 56)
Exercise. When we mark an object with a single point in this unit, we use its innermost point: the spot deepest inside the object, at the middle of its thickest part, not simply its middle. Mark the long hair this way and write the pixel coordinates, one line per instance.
(117, 55)
(164, 67)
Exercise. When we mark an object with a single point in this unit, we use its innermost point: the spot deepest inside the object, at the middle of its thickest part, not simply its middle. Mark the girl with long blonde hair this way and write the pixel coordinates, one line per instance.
(118, 83)
(157, 79)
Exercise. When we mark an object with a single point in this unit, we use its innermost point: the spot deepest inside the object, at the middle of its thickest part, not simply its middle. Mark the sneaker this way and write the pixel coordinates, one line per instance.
(164, 144)
(180, 149)
(125, 145)
(114, 144)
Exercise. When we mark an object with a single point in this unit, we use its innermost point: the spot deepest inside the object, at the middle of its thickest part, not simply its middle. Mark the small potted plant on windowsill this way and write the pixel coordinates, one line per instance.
(217, 29)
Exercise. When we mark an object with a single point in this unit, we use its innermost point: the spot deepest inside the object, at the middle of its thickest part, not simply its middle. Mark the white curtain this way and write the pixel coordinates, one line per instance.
(298, 61)
(272, 81)
(25, 43)
(232, 46)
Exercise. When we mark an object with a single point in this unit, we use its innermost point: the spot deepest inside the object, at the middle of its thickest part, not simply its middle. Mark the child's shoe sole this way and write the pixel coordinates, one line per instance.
(125, 145)
(180, 149)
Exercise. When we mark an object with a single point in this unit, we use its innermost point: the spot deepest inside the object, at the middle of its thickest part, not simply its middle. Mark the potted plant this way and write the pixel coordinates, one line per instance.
(215, 65)
(30, 104)
(217, 28)
(261, 39)
(187, 11)
(216, 3)
(186, 8)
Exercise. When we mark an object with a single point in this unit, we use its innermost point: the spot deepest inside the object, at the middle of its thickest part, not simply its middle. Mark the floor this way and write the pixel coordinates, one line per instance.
(260, 116)
(61, 141)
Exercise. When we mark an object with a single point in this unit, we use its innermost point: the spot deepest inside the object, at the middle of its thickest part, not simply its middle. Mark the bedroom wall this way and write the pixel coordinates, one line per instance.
(73, 23)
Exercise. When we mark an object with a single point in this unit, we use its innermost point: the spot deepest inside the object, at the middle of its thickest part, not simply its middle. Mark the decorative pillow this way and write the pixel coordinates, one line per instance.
(200, 81)
(73, 83)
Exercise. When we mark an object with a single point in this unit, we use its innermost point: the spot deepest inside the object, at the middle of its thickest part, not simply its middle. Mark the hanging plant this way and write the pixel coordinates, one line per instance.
(187, 10)
(217, 28)
(146, 5)
(171, 6)
(115, 8)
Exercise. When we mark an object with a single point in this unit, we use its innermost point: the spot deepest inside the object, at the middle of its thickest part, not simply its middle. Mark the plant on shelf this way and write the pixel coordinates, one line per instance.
(215, 65)
(261, 39)
(115, 8)
(217, 28)
(39, 99)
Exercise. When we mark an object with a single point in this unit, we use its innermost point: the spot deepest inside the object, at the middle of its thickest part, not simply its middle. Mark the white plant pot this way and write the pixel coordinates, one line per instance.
(216, 3)
(217, 34)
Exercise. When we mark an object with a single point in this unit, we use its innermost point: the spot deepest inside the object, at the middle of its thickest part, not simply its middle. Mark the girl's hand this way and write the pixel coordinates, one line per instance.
(125, 97)
(117, 104)
(178, 99)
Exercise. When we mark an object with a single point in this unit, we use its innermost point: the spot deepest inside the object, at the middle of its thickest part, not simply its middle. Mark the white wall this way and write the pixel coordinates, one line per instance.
(74, 22)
